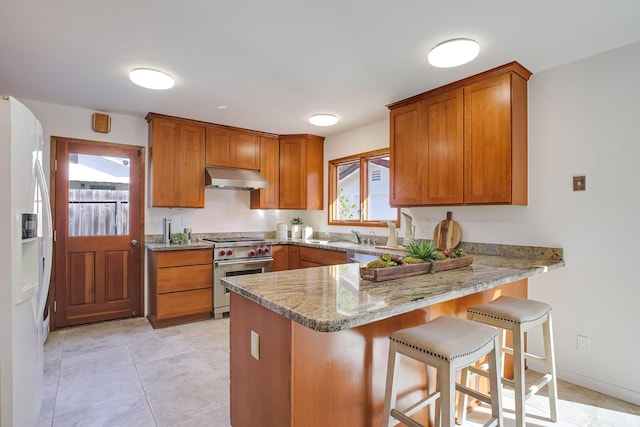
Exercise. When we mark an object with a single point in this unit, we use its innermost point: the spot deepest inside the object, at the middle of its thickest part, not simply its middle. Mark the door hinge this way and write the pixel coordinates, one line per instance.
(55, 165)
(139, 153)
(55, 306)
(55, 235)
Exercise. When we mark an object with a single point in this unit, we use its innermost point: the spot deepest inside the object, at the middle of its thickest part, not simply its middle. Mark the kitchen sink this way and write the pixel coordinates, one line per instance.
(357, 257)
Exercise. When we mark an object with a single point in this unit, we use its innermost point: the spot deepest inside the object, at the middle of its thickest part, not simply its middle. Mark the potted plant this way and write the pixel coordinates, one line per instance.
(296, 227)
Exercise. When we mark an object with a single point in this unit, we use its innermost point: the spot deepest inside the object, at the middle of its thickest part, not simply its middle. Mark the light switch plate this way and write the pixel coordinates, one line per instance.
(255, 345)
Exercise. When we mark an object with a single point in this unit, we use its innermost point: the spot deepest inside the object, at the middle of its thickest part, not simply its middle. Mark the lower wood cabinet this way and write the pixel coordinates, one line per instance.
(180, 286)
(280, 255)
(312, 257)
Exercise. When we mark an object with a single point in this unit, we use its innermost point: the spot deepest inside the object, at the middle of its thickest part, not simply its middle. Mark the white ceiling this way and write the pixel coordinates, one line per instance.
(274, 63)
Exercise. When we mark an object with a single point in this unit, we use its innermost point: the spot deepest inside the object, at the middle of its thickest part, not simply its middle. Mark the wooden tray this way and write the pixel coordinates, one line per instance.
(400, 271)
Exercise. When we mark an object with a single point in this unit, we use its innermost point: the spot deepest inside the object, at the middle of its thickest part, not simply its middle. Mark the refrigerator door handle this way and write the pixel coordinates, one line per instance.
(47, 237)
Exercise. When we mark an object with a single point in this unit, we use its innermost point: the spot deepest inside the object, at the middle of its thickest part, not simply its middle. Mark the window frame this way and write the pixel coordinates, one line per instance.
(364, 159)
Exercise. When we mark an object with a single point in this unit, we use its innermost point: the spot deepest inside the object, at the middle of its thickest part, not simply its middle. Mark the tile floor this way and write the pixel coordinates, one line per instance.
(125, 373)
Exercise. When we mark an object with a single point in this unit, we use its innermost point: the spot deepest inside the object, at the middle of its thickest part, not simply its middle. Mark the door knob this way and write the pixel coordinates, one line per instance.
(134, 242)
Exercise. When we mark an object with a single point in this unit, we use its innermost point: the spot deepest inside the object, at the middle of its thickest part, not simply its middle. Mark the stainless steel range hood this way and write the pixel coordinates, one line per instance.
(235, 179)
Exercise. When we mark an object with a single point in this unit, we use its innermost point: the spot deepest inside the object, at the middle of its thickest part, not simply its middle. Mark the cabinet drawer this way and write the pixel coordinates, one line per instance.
(184, 278)
(184, 303)
(188, 257)
(322, 256)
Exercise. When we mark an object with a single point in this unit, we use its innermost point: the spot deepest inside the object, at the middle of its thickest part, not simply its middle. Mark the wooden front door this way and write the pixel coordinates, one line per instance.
(97, 191)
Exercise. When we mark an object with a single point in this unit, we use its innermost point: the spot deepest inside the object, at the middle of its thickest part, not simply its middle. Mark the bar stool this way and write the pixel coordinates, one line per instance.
(448, 344)
(518, 315)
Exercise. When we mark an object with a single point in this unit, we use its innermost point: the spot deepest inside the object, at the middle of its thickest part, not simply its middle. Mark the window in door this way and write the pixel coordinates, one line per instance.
(359, 190)
(98, 195)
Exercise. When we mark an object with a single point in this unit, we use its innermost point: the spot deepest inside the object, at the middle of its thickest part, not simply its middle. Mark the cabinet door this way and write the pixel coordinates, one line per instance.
(245, 151)
(269, 168)
(231, 149)
(293, 171)
(294, 257)
(280, 258)
(442, 149)
(218, 147)
(189, 158)
(314, 177)
(405, 147)
(487, 141)
(163, 138)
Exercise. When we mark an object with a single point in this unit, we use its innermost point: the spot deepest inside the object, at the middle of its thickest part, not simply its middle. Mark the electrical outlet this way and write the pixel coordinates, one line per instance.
(255, 345)
(583, 344)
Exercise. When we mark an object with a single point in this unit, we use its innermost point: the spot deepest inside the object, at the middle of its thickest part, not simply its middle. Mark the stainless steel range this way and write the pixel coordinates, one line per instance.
(235, 256)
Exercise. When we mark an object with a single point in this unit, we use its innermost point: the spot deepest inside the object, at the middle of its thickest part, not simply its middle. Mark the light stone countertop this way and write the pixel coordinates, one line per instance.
(160, 247)
(334, 298)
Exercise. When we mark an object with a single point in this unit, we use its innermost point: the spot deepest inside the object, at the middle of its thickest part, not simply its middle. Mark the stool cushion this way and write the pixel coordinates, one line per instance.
(457, 341)
(512, 309)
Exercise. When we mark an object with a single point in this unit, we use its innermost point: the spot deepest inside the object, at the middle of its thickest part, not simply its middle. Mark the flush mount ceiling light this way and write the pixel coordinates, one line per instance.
(453, 53)
(151, 79)
(323, 120)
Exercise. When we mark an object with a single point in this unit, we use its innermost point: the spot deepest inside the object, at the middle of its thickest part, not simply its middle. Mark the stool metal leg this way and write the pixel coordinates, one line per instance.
(550, 361)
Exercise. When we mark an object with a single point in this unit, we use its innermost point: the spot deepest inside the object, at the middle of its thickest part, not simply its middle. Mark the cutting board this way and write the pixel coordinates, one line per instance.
(447, 233)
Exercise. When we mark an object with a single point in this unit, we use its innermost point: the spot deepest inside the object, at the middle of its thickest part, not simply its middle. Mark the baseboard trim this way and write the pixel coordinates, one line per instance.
(612, 390)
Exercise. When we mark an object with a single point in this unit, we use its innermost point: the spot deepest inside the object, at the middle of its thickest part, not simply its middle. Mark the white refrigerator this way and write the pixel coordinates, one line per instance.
(25, 263)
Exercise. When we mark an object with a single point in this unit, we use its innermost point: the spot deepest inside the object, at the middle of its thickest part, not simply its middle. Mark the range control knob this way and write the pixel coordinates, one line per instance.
(252, 253)
(222, 253)
(266, 250)
(260, 250)
(229, 252)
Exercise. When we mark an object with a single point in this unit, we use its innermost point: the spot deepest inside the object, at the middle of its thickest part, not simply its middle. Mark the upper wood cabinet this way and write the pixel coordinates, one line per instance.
(405, 165)
(180, 149)
(176, 167)
(463, 143)
(301, 172)
(442, 148)
(495, 140)
(232, 149)
(268, 198)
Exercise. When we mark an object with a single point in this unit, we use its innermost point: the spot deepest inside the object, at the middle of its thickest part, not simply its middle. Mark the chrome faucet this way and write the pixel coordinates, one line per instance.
(357, 234)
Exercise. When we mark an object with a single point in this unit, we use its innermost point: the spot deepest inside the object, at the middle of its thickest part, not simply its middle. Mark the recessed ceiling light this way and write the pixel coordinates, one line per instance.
(151, 79)
(452, 53)
(323, 120)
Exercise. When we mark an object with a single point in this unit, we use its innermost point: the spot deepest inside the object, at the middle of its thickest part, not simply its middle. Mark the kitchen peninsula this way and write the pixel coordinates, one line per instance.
(319, 335)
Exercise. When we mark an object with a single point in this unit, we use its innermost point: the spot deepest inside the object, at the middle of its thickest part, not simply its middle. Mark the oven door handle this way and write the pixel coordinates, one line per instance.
(248, 261)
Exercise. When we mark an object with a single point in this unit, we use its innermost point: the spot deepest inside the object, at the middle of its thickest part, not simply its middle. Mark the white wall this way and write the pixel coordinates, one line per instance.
(584, 119)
